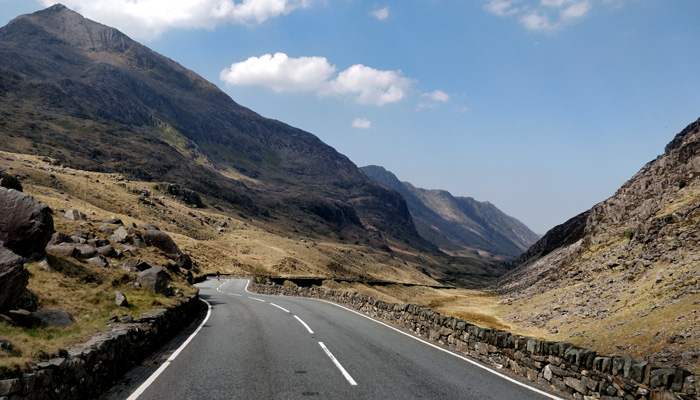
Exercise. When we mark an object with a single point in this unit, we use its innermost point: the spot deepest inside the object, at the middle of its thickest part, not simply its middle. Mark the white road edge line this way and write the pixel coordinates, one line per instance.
(256, 299)
(281, 308)
(304, 323)
(337, 364)
(506, 377)
(476, 364)
(167, 362)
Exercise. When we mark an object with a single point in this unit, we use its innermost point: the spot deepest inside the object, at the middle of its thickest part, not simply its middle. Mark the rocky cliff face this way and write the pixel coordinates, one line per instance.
(90, 97)
(458, 223)
(623, 276)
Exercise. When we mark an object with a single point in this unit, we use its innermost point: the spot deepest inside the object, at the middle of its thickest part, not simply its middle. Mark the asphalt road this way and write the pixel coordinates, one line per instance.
(270, 347)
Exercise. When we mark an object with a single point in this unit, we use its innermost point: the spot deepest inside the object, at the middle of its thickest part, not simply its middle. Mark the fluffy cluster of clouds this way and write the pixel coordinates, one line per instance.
(542, 15)
(381, 13)
(148, 19)
(433, 99)
(282, 73)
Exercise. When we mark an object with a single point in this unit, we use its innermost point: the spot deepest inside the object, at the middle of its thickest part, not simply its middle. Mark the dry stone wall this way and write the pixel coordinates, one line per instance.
(89, 370)
(577, 372)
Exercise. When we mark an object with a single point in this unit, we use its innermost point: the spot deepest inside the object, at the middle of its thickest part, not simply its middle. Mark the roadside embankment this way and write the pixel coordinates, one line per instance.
(91, 368)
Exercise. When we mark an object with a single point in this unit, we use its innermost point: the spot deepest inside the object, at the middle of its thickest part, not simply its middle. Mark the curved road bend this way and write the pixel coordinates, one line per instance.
(272, 347)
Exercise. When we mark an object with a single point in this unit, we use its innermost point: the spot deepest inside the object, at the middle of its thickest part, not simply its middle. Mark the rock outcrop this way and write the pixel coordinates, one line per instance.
(631, 258)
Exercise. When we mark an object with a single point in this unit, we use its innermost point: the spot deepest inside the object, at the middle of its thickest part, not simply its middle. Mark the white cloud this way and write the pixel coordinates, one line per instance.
(371, 86)
(575, 11)
(381, 14)
(502, 8)
(361, 123)
(536, 22)
(315, 74)
(148, 19)
(438, 95)
(543, 15)
(280, 73)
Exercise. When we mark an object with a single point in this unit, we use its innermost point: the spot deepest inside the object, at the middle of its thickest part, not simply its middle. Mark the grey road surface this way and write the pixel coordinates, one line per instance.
(271, 347)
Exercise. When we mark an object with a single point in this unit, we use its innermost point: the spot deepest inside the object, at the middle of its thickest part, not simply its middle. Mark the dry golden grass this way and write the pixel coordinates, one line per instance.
(478, 307)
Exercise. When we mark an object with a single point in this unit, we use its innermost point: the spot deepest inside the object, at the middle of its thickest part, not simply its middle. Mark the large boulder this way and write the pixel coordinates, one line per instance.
(9, 181)
(155, 279)
(64, 250)
(26, 224)
(162, 241)
(13, 277)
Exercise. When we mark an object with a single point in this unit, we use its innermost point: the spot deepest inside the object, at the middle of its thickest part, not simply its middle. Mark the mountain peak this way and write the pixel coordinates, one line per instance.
(71, 27)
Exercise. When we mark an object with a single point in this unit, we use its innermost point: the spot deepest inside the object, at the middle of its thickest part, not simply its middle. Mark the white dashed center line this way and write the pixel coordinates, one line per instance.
(337, 364)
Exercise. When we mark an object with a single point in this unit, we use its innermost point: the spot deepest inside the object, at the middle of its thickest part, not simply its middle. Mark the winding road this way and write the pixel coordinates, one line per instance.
(254, 346)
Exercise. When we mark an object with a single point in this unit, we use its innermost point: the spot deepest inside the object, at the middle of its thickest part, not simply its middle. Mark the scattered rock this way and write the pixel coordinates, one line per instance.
(13, 277)
(120, 235)
(58, 238)
(120, 299)
(132, 250)
(64, 250)
(162, 241)
(107, 251)
(135, 265)
(26, 225)
(188, 196)
(105, 229)
(126, 319)
(155, 279)
(98, 242)
(10, 182)
(184, 261)
(113, 221)
(44, 265)
(54, 317)
(84, 251)
(99, 260)
(74, 215)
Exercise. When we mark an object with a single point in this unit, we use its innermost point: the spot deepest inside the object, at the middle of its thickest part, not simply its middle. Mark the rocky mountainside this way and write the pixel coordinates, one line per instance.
(458, 223)
(623, 276)
(89, 97)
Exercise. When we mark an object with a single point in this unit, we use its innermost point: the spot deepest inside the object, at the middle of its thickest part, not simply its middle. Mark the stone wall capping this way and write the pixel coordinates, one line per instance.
(560, 366)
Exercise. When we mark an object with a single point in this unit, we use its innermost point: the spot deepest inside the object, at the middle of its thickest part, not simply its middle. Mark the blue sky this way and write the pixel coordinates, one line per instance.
(542, 107)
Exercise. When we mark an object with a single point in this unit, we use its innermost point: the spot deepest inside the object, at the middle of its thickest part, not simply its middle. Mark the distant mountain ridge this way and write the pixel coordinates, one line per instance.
(91, 98)
(458, 223)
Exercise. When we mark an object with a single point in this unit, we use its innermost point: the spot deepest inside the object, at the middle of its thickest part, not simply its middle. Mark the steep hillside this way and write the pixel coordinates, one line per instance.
(91, 98)
(458, 223)
(623, 276)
